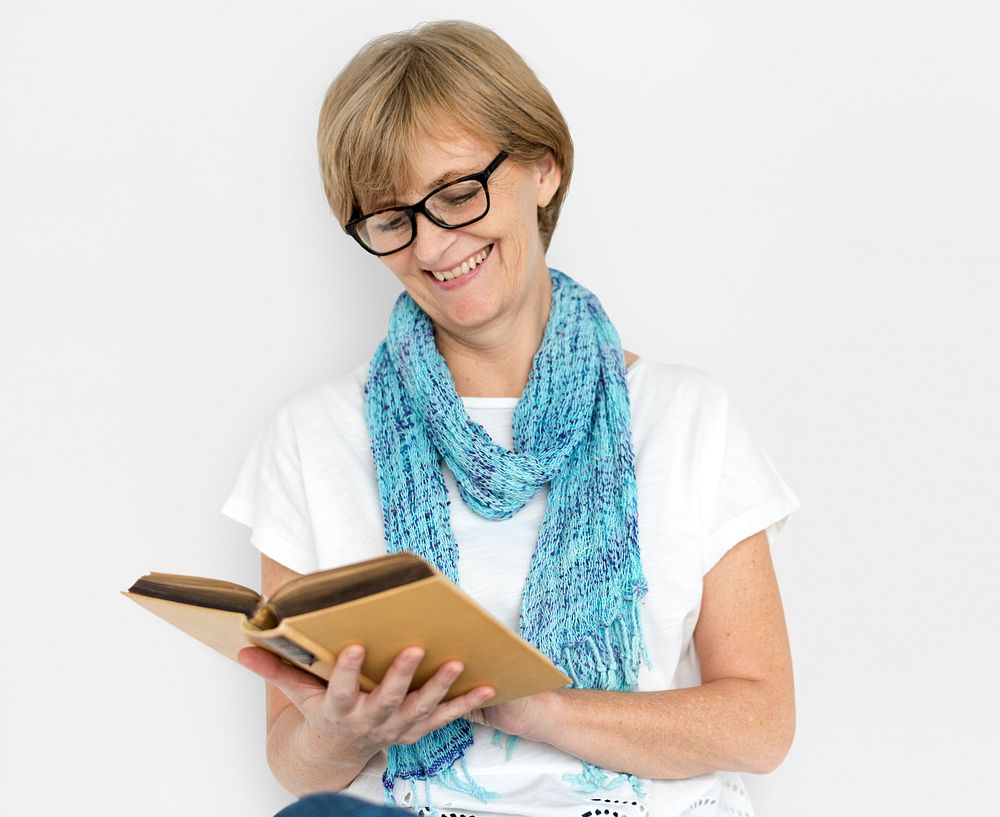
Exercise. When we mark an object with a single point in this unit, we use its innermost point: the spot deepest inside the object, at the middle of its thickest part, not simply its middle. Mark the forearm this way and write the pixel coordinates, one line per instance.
(732, 724)
(303, 762)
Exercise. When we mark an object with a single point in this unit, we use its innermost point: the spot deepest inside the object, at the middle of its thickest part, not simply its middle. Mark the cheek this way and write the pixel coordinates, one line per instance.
(523, 227)
(400, 264)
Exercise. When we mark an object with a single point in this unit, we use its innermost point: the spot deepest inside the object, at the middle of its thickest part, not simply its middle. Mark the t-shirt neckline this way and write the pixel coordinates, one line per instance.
(511, 402)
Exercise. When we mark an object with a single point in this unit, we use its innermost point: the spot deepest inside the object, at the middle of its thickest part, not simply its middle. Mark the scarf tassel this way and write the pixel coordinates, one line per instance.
(455, 777)
(609, 658)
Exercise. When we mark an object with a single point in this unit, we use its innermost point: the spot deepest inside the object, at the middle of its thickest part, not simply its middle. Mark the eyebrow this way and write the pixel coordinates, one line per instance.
(450, 176)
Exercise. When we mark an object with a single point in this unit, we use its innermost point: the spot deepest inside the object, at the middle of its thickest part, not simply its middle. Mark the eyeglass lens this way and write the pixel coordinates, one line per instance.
(452, 206)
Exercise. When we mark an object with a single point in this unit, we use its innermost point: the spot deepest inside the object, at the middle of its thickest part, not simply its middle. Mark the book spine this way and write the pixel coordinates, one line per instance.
(263, 618)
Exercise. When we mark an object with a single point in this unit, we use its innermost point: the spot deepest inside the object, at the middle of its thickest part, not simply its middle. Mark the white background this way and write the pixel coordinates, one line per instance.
(800, 198)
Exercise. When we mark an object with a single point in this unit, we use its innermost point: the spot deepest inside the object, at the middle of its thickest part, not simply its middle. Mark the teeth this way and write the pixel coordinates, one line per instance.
(465, 267)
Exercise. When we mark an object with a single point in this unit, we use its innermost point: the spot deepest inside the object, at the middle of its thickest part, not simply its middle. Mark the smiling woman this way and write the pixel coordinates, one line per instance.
(415, 112)
(613, 510)
(503, 295)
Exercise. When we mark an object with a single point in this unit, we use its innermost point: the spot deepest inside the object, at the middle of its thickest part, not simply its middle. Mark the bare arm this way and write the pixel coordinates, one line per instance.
(742, 717)
(320, 736)
(297, 764)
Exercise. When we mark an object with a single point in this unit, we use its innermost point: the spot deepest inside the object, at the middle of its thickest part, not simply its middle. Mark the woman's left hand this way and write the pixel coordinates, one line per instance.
(526, 717)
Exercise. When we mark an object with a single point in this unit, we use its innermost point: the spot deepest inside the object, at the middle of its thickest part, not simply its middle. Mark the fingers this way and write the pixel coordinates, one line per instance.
(344, 687)
(476, 716)
(389, 695)
(297, 684)
(389, 714)
(451, 710)
(424, 701)
(463, 704)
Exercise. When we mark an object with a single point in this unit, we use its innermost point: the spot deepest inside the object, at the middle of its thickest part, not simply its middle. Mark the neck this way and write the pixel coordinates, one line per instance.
(495, 360)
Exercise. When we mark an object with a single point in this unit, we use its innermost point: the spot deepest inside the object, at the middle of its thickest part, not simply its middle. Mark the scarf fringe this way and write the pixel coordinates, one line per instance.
(594, 778)
(450, 779)
(459, 780)
(498, 741)
(433, 756)
(609, 657)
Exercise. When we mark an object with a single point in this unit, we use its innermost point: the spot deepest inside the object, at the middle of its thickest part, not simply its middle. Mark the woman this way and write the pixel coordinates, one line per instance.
(612, 509)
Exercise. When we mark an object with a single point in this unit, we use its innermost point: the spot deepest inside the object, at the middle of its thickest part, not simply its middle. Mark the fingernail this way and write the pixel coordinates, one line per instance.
(353, 652)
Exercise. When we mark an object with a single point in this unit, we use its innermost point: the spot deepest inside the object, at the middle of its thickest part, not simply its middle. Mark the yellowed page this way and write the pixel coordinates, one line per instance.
(221, 630)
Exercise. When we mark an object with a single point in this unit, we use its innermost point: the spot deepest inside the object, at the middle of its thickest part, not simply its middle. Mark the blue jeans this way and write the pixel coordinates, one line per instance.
(337, 805)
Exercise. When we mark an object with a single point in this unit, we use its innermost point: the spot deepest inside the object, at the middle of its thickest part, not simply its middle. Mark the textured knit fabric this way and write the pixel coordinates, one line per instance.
(307, 491)
(572, 431)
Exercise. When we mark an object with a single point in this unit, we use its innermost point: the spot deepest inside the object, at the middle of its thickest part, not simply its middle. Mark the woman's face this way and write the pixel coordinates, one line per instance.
(505, 247)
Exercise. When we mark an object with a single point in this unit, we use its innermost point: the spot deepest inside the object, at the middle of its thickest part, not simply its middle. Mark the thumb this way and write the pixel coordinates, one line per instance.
(299, 686)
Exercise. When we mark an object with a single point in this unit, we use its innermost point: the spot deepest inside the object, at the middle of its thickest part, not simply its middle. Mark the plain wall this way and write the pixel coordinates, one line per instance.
(798, 198)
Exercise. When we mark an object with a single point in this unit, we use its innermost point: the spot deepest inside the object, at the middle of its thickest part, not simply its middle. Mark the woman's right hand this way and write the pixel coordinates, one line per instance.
(341, 720)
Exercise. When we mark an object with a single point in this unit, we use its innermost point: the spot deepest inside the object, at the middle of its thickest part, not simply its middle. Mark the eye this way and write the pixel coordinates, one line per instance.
(459, 198)
(456, 196)
(390, 222)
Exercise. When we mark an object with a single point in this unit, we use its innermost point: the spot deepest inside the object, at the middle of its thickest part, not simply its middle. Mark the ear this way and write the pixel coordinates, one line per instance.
(549, 178)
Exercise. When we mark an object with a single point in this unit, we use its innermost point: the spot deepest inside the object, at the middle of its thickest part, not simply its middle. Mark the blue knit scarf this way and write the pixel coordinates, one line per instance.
(580, 604)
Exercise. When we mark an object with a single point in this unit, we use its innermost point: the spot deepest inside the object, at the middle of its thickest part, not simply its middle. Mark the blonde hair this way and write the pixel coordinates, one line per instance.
(399, 88)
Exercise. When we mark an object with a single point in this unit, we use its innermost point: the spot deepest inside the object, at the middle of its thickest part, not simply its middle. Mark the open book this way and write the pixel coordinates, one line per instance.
(386, 604)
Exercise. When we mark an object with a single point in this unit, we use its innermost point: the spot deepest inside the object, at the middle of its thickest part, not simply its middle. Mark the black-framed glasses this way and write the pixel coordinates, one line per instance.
(450, 206)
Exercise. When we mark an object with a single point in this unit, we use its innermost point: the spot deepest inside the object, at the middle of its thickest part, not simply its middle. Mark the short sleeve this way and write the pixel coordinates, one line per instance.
(270, 497)
(749, 494)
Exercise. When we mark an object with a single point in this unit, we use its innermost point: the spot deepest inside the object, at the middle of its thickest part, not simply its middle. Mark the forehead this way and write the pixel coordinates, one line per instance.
(433, 161)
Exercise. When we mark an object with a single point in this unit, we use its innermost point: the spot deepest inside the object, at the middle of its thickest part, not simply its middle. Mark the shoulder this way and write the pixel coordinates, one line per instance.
(679, 413)
(337, 403)
(327, 415)
(341, 392)
(672, 389)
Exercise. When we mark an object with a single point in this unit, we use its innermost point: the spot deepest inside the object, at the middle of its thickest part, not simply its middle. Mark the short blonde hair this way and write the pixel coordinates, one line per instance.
(398, 88)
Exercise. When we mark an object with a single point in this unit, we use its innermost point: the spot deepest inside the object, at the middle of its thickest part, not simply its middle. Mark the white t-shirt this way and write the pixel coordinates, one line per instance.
(309, 493)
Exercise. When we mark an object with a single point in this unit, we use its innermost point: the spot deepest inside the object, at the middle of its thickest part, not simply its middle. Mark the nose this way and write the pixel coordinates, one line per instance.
(432, 242)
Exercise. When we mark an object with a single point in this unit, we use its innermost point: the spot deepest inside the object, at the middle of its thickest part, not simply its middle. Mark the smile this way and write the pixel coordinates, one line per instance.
(467, 266)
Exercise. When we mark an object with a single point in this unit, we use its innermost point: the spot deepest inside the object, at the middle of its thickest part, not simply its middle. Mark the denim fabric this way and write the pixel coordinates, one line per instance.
(336, 805)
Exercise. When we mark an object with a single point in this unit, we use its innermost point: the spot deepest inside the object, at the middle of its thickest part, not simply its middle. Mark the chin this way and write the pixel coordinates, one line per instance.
(469, 314)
